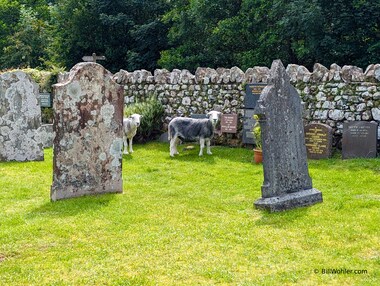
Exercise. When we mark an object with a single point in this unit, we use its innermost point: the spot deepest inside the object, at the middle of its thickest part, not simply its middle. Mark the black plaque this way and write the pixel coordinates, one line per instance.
(359, 139)
(229, 123)
(318, 140)
(252, 94)
(46, 100)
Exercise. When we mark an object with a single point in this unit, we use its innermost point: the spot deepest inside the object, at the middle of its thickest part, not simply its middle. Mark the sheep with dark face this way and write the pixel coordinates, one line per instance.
(130, 125)
(191, 129)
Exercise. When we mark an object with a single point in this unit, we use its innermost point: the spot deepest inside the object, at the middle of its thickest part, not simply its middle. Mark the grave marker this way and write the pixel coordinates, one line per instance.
(88, 116)
(359, 139)
(46, 100)
(20, 118)
(229, 123)
(287, 183)
(318, 140)
(93, 58)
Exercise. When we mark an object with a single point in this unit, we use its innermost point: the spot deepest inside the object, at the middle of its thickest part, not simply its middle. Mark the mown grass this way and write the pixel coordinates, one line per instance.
(189, 221)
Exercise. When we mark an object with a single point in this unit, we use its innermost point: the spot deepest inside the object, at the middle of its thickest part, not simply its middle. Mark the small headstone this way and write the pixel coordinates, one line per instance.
(20, 118)
(45, 100)
(248, 124)
(164, 137)
(318, 140)
(359, 139)
(287, 183)
(88, 116)
(228, 123)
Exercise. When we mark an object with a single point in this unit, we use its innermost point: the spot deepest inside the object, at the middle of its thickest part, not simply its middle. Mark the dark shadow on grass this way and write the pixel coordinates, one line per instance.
(72, 206)
(281, 219)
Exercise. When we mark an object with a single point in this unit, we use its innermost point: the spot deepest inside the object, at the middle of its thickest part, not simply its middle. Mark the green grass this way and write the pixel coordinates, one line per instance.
(189, 221)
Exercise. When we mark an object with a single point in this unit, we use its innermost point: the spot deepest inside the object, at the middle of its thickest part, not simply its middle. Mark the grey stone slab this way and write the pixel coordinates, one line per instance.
(359, 139)
(284, 151)
(20, 118)
(88, 114)
(318, 140)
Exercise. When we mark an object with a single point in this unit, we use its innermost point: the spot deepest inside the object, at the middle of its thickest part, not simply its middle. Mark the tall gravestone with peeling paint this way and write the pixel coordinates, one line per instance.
(88, 116)
(287, 183)
(20, 117)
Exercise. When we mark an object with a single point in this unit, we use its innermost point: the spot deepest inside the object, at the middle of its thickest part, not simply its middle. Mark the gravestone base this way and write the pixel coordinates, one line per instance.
(290, 201)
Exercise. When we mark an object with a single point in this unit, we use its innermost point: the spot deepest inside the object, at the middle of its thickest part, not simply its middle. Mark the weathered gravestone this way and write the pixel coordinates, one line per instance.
(88, 113)
(287, 183)
(318, 140)
(359, 139)
(20, 117)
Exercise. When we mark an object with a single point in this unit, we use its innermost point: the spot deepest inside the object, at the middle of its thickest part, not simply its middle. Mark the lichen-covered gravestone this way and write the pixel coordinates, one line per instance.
(88, 113)
(287, 183)
(20, 117)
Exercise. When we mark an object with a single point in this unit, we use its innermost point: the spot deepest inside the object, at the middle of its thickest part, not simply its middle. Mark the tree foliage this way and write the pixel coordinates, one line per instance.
(146, 34)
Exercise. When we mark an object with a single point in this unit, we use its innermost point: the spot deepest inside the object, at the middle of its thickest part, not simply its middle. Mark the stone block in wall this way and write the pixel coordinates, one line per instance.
(320, 73)
(257, 75)
(20, 118)
(88, 114)
(186, 77)
(161, 76)
(376, 114)
(372, 73)
(352, 74)
(334, 73)
(237, 75)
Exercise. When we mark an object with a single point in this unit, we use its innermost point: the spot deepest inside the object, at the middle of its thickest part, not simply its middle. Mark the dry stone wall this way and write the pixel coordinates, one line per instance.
(330, 95)
(20, 118)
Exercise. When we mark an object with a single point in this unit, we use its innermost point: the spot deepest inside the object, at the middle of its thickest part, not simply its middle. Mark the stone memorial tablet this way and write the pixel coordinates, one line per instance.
(287, 183)
(318, 140)
(252, 94)
(88, 126)
(249, 122)
(359, 139)
(46, 100)
(229, 123)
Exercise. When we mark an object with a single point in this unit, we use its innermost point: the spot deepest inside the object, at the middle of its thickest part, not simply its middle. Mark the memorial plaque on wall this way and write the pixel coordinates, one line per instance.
(252, 94)
(46, 100)
(247, 127)
(229, 123)
(359, 139)
(318, 141)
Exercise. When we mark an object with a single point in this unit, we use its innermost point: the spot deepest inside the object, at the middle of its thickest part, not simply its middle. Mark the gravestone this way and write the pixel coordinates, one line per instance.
(228, 123)
(359, 139)
(20, 118)
(252, 95)
(88, 116)
(318, 140)
(287, 183)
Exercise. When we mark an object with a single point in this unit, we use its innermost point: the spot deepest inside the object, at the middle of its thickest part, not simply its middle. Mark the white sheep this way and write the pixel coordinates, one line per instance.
(130, 125)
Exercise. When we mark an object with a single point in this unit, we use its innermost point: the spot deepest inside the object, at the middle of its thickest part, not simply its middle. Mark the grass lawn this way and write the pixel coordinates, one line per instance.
(189, 221)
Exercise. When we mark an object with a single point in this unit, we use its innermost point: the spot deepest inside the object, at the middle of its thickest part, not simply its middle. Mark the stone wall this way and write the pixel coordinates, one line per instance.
(330, 96)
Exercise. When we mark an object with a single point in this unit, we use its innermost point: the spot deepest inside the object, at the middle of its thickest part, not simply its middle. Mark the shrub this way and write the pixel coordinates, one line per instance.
(152, 120)
(257, 132)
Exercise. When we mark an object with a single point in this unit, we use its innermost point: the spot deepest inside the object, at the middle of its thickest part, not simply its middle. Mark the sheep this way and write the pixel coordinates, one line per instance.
(130, 125)
(191, 129)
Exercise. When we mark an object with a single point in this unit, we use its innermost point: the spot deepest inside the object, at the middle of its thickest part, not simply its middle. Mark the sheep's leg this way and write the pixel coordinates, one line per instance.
(125, 140)
(208, 146)
(177, 141)
(130, 145)
(173, 147)
(202, 145)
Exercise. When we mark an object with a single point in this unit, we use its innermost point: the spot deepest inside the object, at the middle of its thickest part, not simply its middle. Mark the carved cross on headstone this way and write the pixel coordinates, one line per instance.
(93, 58)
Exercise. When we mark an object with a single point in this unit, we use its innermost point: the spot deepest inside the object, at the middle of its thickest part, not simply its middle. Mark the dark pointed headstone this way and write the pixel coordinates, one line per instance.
(88, 116)
(287, 183)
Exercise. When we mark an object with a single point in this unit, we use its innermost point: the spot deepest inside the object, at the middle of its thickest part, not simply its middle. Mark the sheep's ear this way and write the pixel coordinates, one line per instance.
(208, 114)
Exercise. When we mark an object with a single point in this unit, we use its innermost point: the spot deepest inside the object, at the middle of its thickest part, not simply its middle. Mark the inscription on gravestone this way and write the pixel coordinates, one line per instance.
(287, 183)
(359, 139)
(318, 140)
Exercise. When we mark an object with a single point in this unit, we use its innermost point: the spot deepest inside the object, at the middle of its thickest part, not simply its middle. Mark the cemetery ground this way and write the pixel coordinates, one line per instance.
(190, 220)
